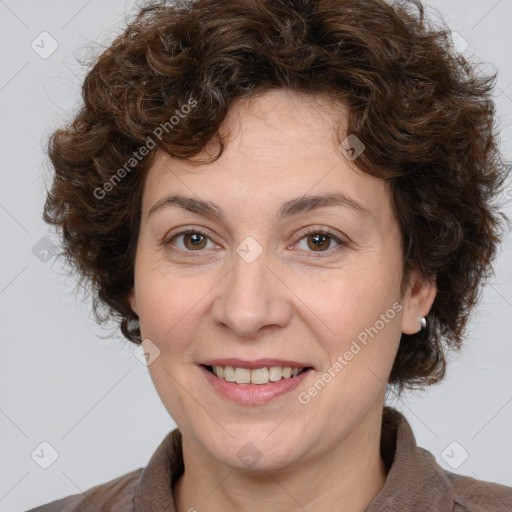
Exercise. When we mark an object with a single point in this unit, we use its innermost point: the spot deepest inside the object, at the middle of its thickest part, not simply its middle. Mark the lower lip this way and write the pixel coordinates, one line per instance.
(253, 394)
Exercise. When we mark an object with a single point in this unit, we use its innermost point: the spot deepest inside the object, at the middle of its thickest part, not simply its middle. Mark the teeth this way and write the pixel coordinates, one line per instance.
(275, 373)
(256, 376)
(242, 375)
(259, 376)
(229, 373)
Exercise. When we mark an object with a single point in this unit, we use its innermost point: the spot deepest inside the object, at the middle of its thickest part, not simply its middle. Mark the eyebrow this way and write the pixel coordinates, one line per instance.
(292, 207)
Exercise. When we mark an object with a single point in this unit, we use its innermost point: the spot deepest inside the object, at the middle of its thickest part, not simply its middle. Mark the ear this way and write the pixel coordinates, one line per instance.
(417, 302)
(133, 301)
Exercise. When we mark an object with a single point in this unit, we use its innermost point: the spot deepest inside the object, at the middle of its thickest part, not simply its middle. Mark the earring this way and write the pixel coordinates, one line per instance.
(423, 322)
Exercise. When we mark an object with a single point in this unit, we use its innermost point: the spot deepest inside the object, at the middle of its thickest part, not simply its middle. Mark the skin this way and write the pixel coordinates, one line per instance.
(290, 303)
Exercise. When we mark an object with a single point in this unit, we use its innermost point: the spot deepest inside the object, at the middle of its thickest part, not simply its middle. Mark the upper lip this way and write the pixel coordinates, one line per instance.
(255, 363)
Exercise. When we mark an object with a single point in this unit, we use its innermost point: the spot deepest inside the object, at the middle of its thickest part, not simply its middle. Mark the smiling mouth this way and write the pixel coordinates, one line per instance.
(257, 376)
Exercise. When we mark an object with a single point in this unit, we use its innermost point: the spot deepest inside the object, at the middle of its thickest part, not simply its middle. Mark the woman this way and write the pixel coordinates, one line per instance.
(290, 206)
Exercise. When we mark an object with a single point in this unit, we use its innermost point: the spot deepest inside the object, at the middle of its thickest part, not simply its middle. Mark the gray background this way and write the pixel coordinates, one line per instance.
(89, 397)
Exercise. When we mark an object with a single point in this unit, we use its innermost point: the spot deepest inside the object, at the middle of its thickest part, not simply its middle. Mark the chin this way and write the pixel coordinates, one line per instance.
(255, 450)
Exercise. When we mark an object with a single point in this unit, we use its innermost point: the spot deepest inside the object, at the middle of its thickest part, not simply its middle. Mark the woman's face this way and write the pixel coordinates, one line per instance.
(263, 282)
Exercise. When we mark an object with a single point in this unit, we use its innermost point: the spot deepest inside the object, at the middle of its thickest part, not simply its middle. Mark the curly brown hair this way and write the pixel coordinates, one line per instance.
(425, 116)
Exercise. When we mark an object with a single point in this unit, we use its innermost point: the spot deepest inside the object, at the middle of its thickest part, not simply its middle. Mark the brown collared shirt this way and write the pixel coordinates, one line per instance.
(415, 482)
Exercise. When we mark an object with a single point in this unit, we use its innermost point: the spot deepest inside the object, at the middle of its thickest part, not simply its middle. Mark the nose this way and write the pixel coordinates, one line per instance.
(252, 298)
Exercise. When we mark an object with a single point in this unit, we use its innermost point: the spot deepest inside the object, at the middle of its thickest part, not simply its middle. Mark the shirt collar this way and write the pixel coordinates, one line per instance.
(414, 482)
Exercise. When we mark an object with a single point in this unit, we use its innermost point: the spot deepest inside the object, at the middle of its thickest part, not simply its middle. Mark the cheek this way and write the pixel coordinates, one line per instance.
(356, 317)
(168, 310)
(166, 300)
(344, 303)
(168, 385)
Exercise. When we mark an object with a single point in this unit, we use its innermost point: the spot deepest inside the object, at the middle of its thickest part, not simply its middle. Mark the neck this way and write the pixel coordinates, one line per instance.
(346, 477)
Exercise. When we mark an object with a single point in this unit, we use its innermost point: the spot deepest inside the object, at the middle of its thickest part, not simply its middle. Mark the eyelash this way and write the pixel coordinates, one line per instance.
(316, 231)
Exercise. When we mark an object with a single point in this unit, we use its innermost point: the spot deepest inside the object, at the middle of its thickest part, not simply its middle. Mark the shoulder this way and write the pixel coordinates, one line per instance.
(473, 495)
(416, 481)
(113, 496)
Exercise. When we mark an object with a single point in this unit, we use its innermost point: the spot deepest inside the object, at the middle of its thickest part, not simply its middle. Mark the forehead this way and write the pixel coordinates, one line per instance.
(279, 146)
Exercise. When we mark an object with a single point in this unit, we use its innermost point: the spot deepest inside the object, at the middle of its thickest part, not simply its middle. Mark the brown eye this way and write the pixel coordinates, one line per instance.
(194, 241)
(191, 240)
(319, 241)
